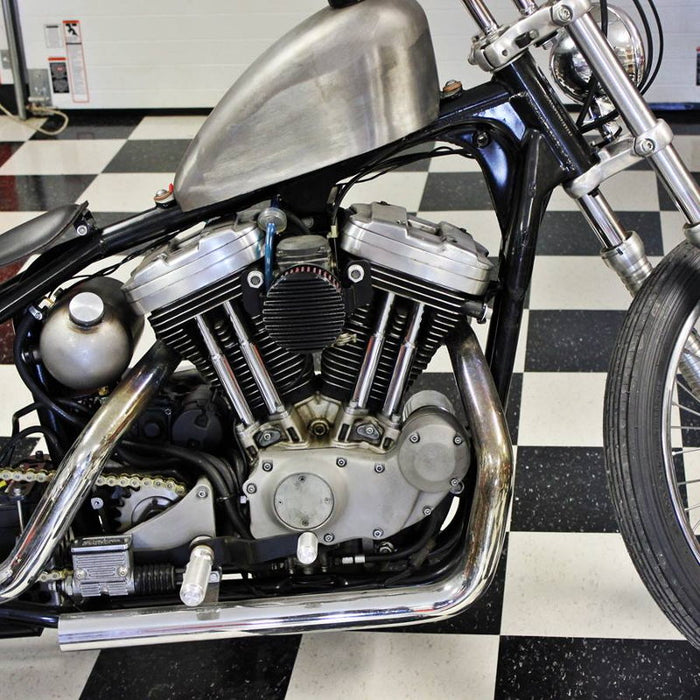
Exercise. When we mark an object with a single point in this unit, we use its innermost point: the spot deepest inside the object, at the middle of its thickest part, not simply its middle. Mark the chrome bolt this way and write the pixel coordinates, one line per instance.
(80, 574)
(563, 13)
(414, 438)
(161, 193)
(81, 230)
(251, 488)
(341, 462)
(96, 503)
(482, 139)
(457, 440)
(377, 533)
(427, 511)
(456, 486)
(255, 279)
(267, 466)
(328, 537)
(122, 571)
(356, 273)
(379, 468)
(202, 492)
(646, 146)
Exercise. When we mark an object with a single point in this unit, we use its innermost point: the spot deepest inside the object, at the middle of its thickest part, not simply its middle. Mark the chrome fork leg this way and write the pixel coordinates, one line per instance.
(639, 119)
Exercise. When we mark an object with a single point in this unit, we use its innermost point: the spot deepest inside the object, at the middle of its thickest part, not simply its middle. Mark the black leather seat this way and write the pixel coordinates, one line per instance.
(40, 234)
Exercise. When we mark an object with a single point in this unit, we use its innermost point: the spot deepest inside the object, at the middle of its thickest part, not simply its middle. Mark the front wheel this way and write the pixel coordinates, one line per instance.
(652, 436)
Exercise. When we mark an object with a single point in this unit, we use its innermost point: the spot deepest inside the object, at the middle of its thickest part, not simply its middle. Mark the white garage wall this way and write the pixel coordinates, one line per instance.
(152, 53)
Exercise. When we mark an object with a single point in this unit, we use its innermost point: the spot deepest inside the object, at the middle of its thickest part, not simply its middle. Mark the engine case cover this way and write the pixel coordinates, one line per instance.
(439, 254)
(306, 489)
(340, 84)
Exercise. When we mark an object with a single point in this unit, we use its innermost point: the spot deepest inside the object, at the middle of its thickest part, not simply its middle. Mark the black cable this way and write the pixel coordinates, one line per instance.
(660, 55)
(40, 396)
(49, 436)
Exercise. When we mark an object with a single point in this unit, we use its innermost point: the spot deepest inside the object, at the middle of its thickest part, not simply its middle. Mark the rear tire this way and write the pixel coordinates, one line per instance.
(646, 476)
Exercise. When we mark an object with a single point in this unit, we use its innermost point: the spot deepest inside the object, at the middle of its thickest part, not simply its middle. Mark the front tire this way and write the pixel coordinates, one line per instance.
(650, 461)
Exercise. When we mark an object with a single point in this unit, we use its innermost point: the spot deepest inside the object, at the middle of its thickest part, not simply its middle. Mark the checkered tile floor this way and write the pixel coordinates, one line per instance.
(567, 615)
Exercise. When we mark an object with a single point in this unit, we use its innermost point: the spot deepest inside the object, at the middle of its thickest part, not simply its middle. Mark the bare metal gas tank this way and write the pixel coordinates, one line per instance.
(340, 84)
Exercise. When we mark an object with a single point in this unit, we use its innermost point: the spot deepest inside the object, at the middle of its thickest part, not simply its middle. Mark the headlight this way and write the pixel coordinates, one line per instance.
(570, 69)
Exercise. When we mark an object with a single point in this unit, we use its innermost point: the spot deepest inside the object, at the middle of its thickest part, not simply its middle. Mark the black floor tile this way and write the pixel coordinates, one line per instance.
(40, 192)
(545, 668)
(561, 489)
(252, 668)
(483, 617)
(7, 149)
(665, 201)
(567, 233)
(459, 191)
(102, 124)
(571, 340)
(156, 156)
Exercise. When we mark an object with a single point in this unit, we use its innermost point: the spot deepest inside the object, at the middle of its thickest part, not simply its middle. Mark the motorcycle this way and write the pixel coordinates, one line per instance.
(287, 479)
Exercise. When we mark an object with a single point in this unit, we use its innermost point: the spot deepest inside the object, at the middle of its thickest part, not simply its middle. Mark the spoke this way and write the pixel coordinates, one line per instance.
(685, 408)
(689, 508)
(685, 427)
(684, 450)
(690, 481)
(686, 389)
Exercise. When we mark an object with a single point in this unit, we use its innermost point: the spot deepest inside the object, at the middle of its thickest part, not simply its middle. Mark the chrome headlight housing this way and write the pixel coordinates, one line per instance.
(572, 73)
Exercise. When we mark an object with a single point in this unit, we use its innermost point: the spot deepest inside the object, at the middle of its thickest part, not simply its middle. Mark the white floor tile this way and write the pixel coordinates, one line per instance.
(634, 190)
(562, 408)
(11, 130)
(363, 666)
(560, 201)
(672, 223)
(61, 157)
(168, 127)
(688, 148)
(577, 585)
(402, 189)
(576, 282)
(454, 164)
(40, 670)
(10, 219)
(124, 191)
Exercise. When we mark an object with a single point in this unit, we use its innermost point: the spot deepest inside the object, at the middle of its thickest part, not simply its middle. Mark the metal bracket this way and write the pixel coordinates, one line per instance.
(493, 53)
(619, 156)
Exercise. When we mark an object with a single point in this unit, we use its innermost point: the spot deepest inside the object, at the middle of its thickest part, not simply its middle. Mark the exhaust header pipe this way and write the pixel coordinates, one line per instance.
(78, 472)
(348, 609)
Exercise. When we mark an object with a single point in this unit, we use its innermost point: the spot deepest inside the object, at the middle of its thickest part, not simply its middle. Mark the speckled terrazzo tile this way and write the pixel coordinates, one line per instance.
(40, 192)
(365, 666)
(536, 668)
(157, 156)
(256, 668)
(562, 489)
(571, 340)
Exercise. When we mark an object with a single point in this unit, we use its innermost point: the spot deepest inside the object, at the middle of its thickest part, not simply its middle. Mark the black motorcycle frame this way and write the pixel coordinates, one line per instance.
(514, 126)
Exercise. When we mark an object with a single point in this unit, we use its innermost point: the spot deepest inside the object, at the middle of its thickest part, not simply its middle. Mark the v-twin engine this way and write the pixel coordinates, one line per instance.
(315, 353)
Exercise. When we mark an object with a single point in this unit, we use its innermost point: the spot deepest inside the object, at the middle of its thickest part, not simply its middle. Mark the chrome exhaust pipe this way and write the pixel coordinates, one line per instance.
(349, 609)
(77, 473)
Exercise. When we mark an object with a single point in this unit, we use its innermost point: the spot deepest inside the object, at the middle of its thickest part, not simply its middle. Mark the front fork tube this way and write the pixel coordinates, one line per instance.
(639, 119)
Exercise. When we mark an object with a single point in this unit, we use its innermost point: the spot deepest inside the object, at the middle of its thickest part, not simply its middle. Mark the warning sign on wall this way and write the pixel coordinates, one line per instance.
(59, 75)
(77, 74)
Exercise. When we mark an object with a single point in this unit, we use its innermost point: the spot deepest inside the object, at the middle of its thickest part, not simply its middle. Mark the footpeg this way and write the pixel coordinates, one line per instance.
(197, 575)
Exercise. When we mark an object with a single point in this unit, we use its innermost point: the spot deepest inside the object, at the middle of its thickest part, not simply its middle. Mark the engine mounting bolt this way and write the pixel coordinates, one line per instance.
(80, 574)
(328, 537)
(356, 273)
(267, 466)
(341, 462)
(251, 488)
(414, 438)
(122, 571)
(202, 492)
(379, 468)
(255, 279)
(427, 511)
(456, 487)
(377, 533)
(457, 440)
